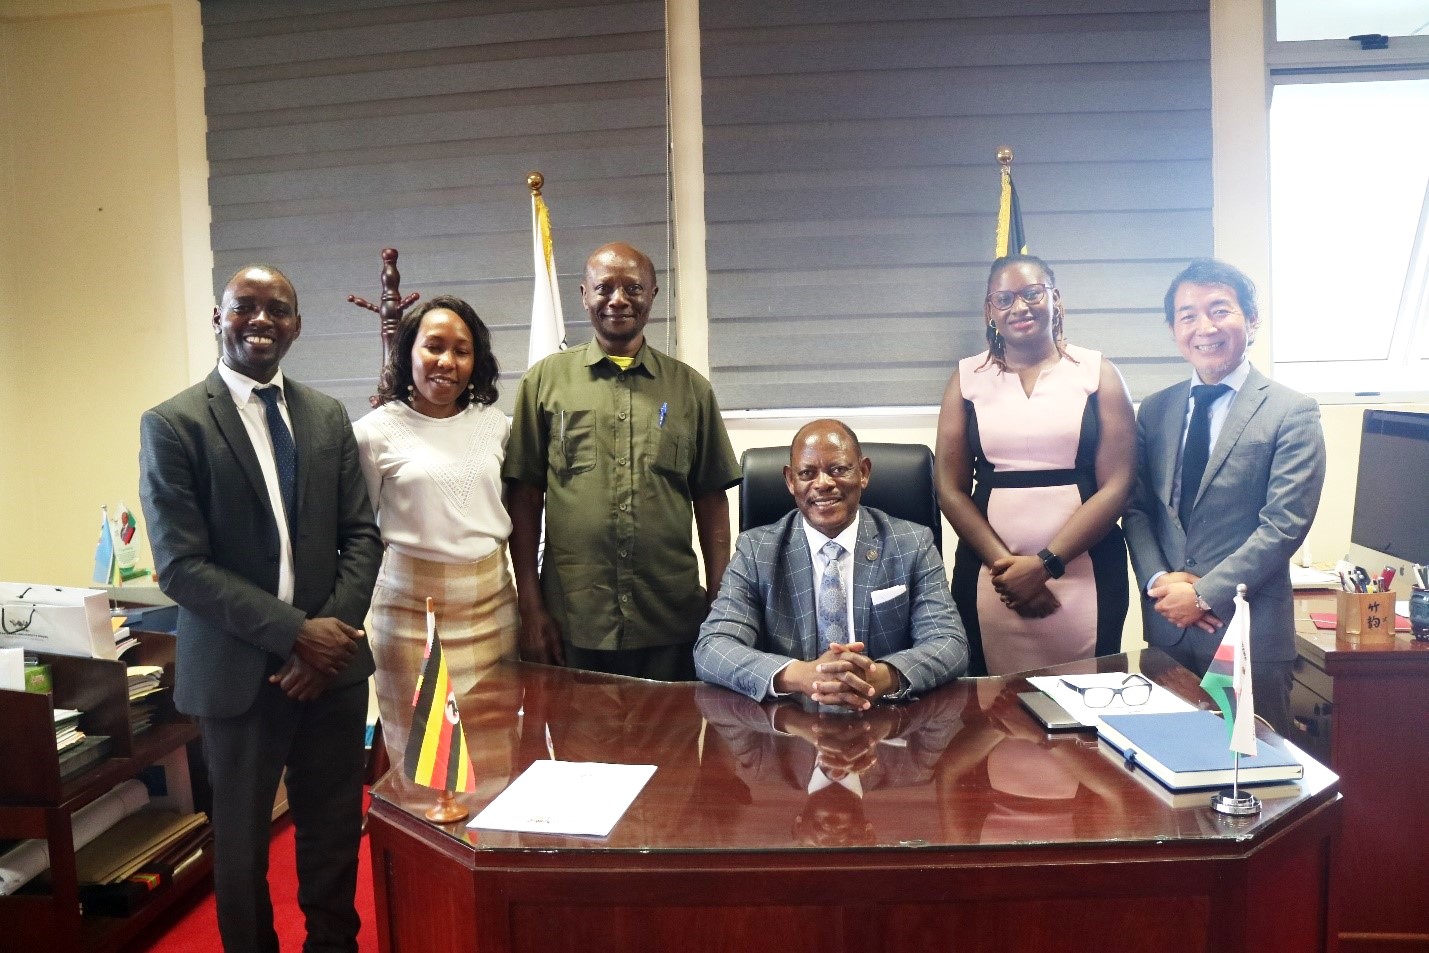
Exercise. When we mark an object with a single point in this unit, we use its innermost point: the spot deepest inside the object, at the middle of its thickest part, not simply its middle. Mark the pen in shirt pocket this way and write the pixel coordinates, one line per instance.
(664, 409)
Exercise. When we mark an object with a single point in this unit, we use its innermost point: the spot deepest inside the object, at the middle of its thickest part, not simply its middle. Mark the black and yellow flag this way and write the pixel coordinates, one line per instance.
(437, 755)
(1011, 239)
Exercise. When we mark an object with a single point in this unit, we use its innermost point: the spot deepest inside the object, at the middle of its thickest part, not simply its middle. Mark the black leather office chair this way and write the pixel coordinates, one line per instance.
(902, 485)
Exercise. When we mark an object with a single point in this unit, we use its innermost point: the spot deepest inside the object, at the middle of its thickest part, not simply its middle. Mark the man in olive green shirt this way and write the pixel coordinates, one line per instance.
(619, 444)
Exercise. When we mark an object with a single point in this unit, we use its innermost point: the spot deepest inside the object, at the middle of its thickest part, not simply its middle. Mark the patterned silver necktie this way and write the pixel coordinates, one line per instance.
(832, 603)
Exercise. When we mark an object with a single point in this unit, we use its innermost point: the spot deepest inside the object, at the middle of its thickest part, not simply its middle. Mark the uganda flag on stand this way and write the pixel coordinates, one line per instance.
(1011, 239)
(1227, 681)
(436, 749)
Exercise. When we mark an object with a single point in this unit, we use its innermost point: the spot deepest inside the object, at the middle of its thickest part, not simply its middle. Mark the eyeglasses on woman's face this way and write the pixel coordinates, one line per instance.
(1032, 294)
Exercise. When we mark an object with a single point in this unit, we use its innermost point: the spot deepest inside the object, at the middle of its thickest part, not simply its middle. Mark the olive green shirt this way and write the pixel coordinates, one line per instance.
(621, 456)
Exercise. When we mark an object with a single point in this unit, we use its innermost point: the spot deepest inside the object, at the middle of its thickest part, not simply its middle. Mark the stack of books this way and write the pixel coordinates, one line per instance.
(77, 750)
(144, 689)
(67, 733)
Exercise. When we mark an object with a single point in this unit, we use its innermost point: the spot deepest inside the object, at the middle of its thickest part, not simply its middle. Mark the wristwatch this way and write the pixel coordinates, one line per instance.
(1201, 602)
(1053, 563)
(903, 693)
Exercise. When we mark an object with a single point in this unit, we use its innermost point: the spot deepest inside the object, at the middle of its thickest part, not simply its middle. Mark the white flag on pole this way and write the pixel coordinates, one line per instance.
(548, 325)
(1243, 734)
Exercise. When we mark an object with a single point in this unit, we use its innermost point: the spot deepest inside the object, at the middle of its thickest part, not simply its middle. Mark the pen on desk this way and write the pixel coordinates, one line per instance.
(664, 409)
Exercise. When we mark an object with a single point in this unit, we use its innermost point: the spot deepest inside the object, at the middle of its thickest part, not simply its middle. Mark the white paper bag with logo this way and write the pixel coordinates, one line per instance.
(61, 619)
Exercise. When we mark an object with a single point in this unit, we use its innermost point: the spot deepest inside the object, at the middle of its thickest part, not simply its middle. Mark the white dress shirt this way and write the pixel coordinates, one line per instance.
(847, 539)
(254, 414)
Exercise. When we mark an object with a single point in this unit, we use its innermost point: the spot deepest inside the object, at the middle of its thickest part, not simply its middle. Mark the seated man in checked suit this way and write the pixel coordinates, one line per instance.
(835, 601)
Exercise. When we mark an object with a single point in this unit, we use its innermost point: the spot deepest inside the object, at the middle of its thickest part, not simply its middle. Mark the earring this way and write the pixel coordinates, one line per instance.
(471, 391)
(411, 392)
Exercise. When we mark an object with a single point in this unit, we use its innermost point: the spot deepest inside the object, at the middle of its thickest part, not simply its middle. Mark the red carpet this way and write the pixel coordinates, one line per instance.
(193, 926)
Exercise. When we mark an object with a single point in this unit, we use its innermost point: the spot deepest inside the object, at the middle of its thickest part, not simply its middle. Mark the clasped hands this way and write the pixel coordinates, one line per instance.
(1021, 583)
(843, 676)
(322, 649)
(843, 745)
(1175, 595)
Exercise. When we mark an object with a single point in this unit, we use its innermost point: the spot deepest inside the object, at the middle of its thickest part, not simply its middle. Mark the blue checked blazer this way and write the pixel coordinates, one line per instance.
(764, 614)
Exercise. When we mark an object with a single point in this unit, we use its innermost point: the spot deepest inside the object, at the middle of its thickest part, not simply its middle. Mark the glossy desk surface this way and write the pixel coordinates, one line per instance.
(965, 767)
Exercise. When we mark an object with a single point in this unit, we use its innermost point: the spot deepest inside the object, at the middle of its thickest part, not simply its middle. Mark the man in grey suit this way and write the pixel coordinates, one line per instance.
(1230, 470)
(835, 601)
(262, 533)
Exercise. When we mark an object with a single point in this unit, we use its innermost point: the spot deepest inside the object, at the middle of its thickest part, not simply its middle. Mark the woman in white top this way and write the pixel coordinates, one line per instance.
(432, 454)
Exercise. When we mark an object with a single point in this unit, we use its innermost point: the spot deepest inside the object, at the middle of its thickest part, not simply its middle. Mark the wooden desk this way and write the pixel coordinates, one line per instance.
(974, 831)
(1364, 710)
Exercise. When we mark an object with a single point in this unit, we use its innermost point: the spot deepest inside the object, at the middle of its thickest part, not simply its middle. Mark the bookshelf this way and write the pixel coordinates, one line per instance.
(36, 803)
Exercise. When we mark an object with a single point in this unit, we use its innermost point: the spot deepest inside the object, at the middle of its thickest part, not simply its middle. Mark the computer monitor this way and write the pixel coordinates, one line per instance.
(1391, 507)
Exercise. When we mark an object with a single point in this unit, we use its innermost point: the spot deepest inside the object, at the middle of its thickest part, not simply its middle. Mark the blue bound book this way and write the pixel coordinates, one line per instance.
(1191, 749)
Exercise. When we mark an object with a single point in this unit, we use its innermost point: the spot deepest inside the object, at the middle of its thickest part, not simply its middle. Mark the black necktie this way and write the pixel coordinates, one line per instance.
(285, 452)
(1198, 446)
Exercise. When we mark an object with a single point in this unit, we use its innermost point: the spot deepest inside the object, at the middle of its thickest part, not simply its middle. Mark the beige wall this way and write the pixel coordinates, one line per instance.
(103, 313)
(97, 98)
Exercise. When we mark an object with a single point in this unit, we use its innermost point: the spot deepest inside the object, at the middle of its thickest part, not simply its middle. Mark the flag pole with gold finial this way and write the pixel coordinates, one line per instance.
(1010, 238)
(548, 324)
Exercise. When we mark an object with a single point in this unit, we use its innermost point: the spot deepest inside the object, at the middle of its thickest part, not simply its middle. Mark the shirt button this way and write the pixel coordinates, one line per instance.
(624, 598)
(621, 461)
(623, 554)
(624, 507)
(622, 415)
(1190, 562)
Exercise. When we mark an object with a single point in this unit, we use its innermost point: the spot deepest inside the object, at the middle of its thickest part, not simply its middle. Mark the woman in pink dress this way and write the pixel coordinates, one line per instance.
(1036, 458)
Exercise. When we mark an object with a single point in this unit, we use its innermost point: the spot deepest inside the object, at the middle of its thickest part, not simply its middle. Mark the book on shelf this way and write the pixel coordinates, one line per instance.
(92, 749)
(1191, 749)
(68, 738)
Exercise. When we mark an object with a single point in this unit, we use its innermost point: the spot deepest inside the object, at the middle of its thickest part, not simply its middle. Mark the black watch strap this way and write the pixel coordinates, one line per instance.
(1053, 563)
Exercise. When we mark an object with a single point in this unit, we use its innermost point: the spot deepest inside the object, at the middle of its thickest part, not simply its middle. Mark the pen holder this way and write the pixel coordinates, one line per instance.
(1364, 616)
(1419, 614)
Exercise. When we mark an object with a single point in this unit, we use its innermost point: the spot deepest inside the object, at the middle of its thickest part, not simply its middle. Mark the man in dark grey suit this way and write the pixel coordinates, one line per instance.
(837, 602)
(1230, 470)
(263, 534)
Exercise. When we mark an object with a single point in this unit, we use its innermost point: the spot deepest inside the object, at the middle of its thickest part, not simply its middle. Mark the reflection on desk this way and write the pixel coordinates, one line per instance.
(956, 815)
(964, 765)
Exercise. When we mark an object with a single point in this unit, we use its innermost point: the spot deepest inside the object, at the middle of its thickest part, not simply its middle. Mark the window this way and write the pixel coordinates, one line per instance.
(1349, 173)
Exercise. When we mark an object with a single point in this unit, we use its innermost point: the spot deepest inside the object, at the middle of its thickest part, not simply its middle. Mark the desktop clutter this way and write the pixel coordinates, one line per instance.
(1366, 610)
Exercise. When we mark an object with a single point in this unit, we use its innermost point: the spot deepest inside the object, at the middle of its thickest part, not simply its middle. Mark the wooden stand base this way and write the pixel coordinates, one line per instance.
(447, 810)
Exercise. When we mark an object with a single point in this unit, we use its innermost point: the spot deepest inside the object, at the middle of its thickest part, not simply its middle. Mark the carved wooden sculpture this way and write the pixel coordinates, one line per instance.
(390, 308)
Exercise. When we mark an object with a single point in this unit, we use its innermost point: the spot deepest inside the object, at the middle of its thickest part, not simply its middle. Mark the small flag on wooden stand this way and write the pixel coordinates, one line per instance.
(1228, 682)
(437, 756)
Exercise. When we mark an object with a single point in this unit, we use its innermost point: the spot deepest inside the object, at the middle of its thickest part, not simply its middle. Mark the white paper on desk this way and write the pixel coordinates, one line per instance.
(1161, 700)
(566, 797)
(12, 669)
(1307, 577)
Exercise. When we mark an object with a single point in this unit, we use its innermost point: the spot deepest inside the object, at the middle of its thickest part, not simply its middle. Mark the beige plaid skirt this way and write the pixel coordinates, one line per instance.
(475, 605)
